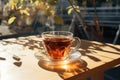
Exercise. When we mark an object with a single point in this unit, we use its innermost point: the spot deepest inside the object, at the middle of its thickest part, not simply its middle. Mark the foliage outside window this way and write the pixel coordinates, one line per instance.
(25, 13)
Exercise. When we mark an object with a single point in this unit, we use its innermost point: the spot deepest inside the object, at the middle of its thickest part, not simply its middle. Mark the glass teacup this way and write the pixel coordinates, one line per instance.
(59, 44)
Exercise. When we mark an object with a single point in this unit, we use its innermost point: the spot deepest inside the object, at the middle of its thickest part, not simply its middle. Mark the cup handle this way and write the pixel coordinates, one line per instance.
(76, 44)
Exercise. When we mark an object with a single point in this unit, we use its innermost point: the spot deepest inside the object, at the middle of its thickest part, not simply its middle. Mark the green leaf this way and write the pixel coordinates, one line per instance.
(78, 11)
(52, 2)
(11, 20)
(70, 10)
(58, 20)
(25, 12)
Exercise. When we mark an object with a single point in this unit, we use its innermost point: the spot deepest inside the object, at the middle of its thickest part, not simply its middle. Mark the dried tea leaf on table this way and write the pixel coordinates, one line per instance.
(18, 64)
(2, 58)
(15, 57)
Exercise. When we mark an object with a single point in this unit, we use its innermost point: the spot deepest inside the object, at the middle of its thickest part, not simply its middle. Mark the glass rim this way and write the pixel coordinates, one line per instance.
(53, 32)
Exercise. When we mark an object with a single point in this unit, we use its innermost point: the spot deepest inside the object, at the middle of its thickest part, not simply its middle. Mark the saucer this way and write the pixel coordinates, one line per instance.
(71, 64)
(42, 57)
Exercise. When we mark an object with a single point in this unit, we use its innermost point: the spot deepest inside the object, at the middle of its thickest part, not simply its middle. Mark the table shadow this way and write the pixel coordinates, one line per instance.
(90, 47)
(86, 48)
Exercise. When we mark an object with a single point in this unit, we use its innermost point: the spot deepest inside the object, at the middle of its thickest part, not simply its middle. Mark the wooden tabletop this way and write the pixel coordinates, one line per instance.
(97, 57)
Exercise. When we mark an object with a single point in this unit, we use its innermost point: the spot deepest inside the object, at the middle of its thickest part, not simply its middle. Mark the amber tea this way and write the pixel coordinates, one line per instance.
(58, 47)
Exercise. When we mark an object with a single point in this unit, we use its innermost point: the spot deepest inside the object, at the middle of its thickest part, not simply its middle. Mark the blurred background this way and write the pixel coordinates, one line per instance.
(97, 20)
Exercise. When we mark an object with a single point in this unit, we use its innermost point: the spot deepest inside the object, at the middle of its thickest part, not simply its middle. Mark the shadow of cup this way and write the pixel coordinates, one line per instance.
(65, 70)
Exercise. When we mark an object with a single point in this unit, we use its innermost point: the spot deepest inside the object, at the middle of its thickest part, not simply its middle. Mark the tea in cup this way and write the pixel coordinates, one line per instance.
(58, 44)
